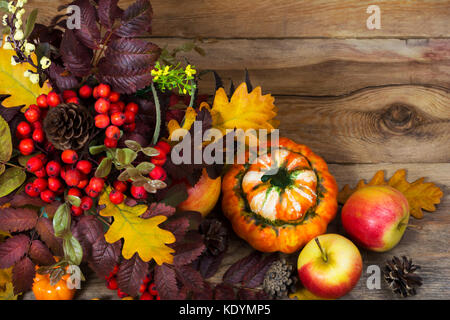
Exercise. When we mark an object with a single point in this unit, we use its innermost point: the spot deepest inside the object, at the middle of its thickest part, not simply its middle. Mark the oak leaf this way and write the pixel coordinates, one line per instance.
(6, 286)
(421, 195)
(142, 236)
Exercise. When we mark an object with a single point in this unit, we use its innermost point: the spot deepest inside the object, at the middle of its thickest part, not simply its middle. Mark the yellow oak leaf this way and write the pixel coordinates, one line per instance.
(421, 195)
(304, 294)
(140, 235)
(6, 286)
(14, 83)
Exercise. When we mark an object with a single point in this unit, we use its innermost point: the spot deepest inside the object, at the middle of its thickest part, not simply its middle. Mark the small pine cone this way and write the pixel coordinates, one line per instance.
(68, 126)
(280, 279)
(400, 277)
(215, 236)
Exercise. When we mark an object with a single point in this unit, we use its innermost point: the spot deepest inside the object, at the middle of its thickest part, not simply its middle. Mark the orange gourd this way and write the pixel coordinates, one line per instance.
(43, 290)
(282, 200)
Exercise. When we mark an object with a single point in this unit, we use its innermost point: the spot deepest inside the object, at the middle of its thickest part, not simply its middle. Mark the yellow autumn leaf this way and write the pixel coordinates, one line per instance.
(6, 286)
(140, 235)
(304, 294)
(421, 195)
(14, 83)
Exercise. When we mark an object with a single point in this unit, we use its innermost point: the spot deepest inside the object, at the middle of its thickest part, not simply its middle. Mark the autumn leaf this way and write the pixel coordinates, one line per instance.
(6, 286)
(142, 236)
(304, 294)
(21, 90)
(421, 195)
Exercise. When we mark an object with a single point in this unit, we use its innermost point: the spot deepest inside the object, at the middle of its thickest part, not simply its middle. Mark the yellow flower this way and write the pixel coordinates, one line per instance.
(166, 71)
(190, 71)
(45, 62)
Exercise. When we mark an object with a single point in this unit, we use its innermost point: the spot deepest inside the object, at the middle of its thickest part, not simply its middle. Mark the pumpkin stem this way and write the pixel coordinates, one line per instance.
(324, 255)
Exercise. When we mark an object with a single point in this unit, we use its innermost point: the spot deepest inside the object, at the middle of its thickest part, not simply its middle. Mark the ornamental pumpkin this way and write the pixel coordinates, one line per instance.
(43, 290)
(282, 200)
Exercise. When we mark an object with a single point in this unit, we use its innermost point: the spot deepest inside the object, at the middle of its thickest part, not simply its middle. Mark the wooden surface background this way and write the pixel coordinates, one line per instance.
(365, 100)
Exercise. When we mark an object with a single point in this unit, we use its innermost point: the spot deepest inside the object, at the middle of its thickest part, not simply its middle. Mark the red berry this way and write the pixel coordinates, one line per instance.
(48, 196)
(113, 132)
(84, 166)
(158, 173)
(147, 279)
(114, 96)
(83, 183)
(72, 177)
(42, 157)
(97, 184)
(23, 129)
(95, 93)
(86, 203)
(143, 288)
(104, 90)
(85, 92)
(26, 146)
(121, 294)
(34, 164)
(91, 192)
(37, 125)
(42, 101)
(115, 270)
(121, 105)
(164, 146)
(129, 127)
(102, 105)
(49, 147)
(73, 100)
(53, 169)
(69, 156)
(118, 118)
(120, 186)
(40, 184)
(146, 296)
(116, 197)
(34, 106)
(41, 173)
(31, 190)
(129, 117)
(162, 153)
(53, 99)
(101, 121)
(152, 290)
(133, 107)
(138, 192)
(32, 115)
(112, 284)
(158, 162)
(110, 143)
(38, 135)
(67, 94)
(114, 108)
(54, 184)
(76, 211)
(74, 192)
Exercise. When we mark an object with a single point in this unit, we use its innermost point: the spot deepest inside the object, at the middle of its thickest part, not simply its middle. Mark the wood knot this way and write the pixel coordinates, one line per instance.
(399, 118)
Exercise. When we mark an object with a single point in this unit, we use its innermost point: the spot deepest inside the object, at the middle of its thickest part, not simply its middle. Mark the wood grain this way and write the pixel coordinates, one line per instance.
(321, 67)
(385, 124)
(287, 18)
(426, 244)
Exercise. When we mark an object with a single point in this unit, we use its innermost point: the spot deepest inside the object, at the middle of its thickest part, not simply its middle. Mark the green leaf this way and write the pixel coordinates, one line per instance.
(31, 21)
(125, 156)
(133, 145)
(10, 180)
(151, 152)
(61, 220)
(5, 141)
(104, 168)
(74, 201)
(176, 195)
(4, 5)
(133, 173)
(145, 167)
(124, 176)
(24, 159)
(72, 249)
(94, 150)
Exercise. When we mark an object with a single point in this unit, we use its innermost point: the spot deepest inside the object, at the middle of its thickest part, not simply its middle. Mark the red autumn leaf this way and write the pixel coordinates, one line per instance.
(239, 269)
(13, 249)
(22, 199)
(166, 282)
(40, 254)
(186, 253)
(88, 33)
(22, 275)
(136, 20)
(131, 274)
(16, 220)
(255, 276)
(208, 264)
(158, 209)
(178, 227)
(206, 294)
(77, 58)
(87, 230)
(104, 256)
(131, 54)
(45, 230)
(190, 278)
(224, 292)
(108, 11)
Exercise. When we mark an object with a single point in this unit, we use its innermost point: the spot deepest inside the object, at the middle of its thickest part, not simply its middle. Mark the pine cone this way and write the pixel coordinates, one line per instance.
(215, 236)
(399, 275)
(68, 126)
(280, 279)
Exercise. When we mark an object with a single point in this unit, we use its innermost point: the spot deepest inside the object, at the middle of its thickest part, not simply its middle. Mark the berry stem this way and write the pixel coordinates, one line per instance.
(12, 165)
(158, 114)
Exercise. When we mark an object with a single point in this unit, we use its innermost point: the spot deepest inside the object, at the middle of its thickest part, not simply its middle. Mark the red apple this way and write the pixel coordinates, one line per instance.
(329, 266)
(376, 217)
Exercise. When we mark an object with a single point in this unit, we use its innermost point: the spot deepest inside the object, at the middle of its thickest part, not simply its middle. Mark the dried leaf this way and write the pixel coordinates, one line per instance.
(421, 195)
(88, 33)
(224, 292)
(104, 256)
(77, 58)
(6, 286)
(23, 275)
(190, 278)
(45, 230)
(22, 199)
(136, 20)
(40, 254)
(239, 269)
(88, 230)
(13, 249)
(304, 294)
(158, 209)
(142, 236)
(17, 220)
(178, 227)
(108, 11)
(166, 282)
(255, 276)
(131, 274)
(186, 253)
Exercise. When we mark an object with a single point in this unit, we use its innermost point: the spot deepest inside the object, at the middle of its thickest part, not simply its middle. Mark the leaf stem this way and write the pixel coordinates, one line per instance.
(158, 114)
(12, 165)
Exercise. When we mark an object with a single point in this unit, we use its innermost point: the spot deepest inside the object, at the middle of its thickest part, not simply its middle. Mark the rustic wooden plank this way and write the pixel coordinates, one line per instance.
(322, 67)
(427, 243)
(385, 124)
(288, 18)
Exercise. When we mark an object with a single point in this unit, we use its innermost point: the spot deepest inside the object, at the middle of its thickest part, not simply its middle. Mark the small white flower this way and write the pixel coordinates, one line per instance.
(27, 73)
(20, 13)
(20, 3)
(29, 47)
(13, 61)
(45, 62)
(11, 7)
(7, 45)
(4, 20)
(18, 24)
(34, 78)
(18, 35)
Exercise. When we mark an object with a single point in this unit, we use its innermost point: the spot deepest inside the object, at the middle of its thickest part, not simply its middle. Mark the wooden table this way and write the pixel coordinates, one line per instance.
(366, 100)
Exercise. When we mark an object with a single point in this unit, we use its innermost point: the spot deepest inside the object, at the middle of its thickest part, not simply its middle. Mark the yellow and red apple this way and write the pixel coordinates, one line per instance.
(376, 217)
(329, 266)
